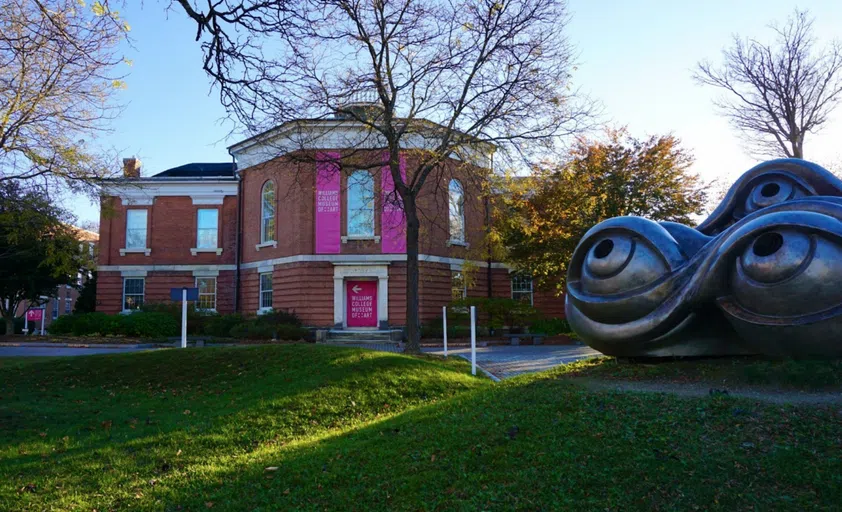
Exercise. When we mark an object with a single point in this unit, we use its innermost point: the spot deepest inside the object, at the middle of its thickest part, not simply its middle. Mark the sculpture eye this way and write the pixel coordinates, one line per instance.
(620, 262)
(785, 272)
(771, 190)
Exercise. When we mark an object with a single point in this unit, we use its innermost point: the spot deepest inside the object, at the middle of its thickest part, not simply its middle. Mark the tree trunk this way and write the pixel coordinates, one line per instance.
(413, 324)
(10, 325)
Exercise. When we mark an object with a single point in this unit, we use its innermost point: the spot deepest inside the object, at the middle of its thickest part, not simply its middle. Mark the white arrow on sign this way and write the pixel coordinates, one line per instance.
(356, 289)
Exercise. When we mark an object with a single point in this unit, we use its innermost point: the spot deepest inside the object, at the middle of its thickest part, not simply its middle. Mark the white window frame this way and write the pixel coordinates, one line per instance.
(452, 211)
(54, 313)
(523, 292)
(214, 229)
(352, 179)
(143, 295)
(68, 305)
(133, 212)
(260, 307)
(214, 294)
(268, 238)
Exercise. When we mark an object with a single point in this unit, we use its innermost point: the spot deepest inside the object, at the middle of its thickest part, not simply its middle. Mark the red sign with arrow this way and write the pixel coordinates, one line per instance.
(361, 304)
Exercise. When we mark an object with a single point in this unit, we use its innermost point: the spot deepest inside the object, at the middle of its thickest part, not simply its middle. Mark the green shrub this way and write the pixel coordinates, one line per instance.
(196, 318)
(493, 313)
(149, 325)
(63, 325)
(279, 317)
(257, 330)
(550, 326)
(221, 325)
(252, 330)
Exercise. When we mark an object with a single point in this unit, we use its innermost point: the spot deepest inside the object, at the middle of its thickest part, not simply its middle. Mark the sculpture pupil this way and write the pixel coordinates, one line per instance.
(770, 190)
(768, 244)
(603, 248)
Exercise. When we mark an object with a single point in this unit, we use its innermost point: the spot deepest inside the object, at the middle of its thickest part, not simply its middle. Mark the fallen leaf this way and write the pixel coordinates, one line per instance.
(209, 504)
(433, 458)
(271, 468)
(286, 491)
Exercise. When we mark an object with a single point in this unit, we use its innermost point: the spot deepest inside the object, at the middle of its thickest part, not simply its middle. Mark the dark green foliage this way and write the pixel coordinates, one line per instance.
(39, 250)
(196, 318)
(220, 325)
(550, 326)
(258, 330)
(141, 324)
(149, 325)
(86, 302)
(280, 317)
(494, 313)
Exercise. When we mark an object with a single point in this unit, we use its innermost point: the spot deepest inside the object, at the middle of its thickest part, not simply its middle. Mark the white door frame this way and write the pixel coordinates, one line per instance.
(342, 271)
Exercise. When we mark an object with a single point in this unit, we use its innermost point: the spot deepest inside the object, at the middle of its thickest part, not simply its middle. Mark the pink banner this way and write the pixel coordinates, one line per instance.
(392, 220)
(34, 315)
(361, 303)
(328, 218)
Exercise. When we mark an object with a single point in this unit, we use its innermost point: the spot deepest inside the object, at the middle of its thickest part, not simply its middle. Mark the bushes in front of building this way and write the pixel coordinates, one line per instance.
(494, 313)
(550, 326)
(141, 324)
(196, 318)
(219, 326)
(277, 325)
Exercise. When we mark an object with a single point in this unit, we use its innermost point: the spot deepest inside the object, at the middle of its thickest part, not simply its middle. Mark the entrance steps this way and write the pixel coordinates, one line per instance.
(363, 336)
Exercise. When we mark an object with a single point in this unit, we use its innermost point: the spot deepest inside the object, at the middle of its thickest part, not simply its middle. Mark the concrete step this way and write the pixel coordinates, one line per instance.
(337, 335)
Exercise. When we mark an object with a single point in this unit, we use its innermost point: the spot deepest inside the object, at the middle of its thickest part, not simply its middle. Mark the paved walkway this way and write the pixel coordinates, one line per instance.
(62, 351)
(504, 361)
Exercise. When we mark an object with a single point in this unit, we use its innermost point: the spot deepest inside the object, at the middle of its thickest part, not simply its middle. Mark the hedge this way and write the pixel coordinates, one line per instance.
(140, 324)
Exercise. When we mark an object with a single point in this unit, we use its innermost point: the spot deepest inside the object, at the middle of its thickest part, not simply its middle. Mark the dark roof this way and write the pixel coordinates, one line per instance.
(199, 170)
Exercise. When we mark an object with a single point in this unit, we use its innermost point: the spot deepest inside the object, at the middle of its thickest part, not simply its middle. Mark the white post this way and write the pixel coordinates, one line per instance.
(473, 340)
(25, 322)
(43, 319)
(444, 326)
(184, 318)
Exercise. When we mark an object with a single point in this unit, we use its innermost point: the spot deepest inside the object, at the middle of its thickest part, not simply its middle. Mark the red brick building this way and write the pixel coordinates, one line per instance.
(292, 229)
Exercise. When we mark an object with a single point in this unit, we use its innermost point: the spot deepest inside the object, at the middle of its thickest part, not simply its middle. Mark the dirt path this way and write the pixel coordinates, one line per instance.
(701, 389)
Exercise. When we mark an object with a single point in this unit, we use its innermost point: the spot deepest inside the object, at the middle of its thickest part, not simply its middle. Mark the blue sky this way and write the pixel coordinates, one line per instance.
(636, 58)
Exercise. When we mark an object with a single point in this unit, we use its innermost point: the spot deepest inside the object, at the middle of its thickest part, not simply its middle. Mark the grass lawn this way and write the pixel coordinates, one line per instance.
(806, 375)
(305, 427)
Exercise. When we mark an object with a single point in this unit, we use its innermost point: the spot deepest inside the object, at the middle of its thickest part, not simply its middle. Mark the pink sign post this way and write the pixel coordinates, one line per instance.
(34, 315)
(361, 303)
(392, 219)
(327, 203)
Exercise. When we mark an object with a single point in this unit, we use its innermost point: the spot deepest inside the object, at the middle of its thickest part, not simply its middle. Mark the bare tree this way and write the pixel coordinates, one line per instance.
(777, 93)
(58, 81)
(449, 78)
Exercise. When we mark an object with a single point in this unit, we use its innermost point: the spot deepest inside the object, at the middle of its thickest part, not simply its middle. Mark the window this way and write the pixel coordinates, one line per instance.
(456, 205)
(458, 289)
(522, 288)
(267, 213)
(68, 303)
(207, 293)
(132, 293)
(55, 308)
(208, 228)
(360, 204)
(136, 229)
(266, 290)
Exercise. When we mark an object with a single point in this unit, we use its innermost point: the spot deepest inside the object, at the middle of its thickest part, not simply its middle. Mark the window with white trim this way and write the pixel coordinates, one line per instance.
(267, 213)
(522, 288)
(207, 293)
(360, 204)
(133, 288)
(68, 304)
(456, 210)
(266, 290)
(55, 308)
(207, 222)
(136, 229)
(458, 286)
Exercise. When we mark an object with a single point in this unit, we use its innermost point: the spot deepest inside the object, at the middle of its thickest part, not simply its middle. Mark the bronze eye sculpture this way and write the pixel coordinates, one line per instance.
(761, 275)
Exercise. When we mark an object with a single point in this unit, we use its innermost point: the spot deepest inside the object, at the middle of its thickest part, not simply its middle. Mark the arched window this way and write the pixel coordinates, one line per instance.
(360, 204)
(457, 211)
(267, 213)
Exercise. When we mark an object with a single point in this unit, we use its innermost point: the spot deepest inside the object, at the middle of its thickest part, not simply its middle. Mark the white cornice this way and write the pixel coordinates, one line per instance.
(143, 192)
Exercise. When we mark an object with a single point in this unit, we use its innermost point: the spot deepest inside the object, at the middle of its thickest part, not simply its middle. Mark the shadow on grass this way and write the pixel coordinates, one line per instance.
(375, 431)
